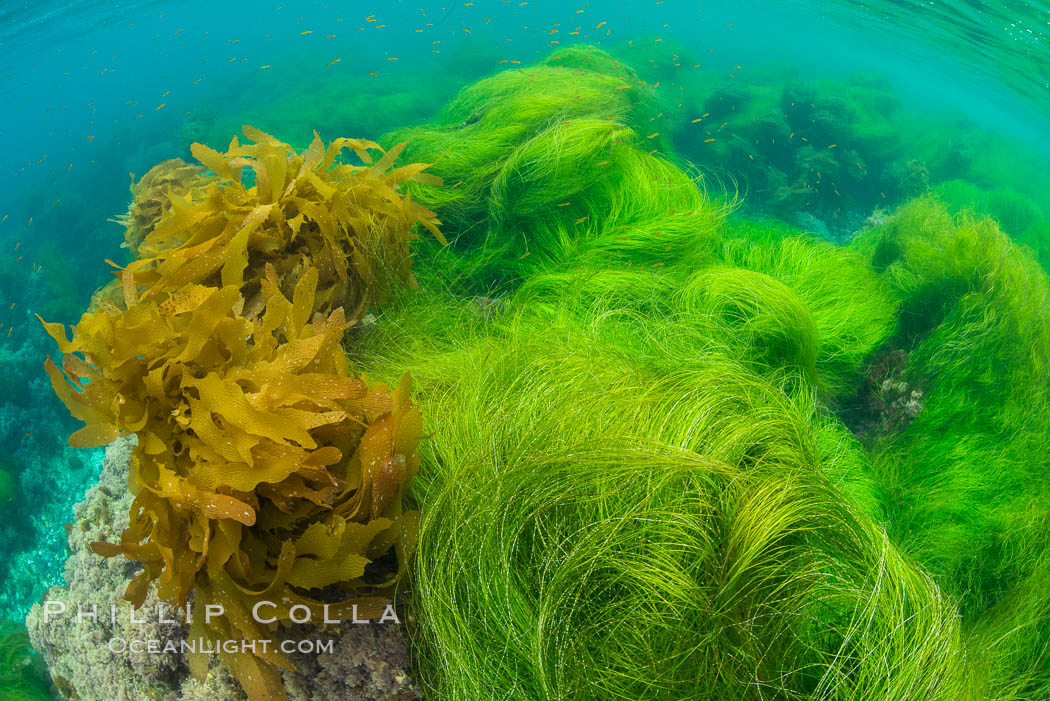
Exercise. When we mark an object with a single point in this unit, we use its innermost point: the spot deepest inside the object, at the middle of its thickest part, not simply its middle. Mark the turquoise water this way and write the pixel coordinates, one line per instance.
(94, 94)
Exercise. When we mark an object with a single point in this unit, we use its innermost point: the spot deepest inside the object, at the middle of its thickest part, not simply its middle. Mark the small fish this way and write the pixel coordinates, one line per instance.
(266, 66)
(158, 107)
(372, 73)
(601, 24)
(698, 119)
(334, 61)
(581, 220)
(833, 146)
(12, 305)
(563, 204)
(525, 255)
(653, 135)
(707, 141)
(308, 31)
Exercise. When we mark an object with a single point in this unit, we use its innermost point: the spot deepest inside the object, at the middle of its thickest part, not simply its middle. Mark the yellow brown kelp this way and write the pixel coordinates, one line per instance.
(151, 196)
(265, 469)
(304, 211)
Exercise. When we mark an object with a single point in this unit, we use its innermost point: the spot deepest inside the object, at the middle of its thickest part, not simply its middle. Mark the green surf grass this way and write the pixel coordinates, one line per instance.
(641, 483)
(22, 673)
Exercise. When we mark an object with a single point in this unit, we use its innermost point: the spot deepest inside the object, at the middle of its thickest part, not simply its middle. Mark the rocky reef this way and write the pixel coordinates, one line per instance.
(366, 662)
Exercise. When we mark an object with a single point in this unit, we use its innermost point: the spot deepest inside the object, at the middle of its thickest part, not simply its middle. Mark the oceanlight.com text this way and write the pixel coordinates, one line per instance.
(136, 646)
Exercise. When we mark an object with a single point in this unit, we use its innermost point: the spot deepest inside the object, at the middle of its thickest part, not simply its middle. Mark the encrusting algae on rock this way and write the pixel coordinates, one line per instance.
(265, 468)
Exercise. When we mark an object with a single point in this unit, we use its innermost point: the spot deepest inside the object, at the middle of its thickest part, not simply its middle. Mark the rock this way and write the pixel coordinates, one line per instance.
(91, 659)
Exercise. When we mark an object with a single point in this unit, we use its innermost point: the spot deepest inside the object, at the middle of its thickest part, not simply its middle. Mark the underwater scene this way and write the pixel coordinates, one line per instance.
(525, 350)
